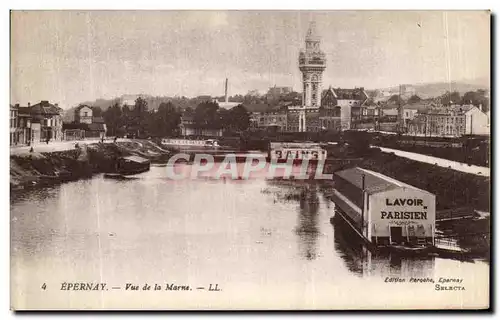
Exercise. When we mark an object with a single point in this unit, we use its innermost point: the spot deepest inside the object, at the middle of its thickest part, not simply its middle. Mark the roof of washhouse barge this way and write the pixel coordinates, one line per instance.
(136, 159)
(374, 182)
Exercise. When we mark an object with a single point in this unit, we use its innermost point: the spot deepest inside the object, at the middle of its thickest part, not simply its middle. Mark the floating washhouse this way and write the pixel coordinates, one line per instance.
(384, 211)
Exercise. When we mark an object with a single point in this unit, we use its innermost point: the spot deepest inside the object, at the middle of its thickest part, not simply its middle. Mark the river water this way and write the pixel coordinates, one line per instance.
(264, 246)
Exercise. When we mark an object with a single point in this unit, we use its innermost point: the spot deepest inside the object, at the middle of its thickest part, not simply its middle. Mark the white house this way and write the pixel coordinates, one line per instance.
(83, 114)
(476, 122)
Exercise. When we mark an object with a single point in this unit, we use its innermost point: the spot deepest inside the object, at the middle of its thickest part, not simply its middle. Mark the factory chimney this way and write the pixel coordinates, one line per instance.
(225, 94)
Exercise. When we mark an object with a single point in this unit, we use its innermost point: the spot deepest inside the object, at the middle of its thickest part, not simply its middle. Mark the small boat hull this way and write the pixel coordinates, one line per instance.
(130, 171)
(117, 176)
(132, 165)
(409, 250)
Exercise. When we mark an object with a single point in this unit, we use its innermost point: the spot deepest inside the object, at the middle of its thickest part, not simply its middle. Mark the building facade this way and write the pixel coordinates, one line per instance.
(85, 125)
(83, 114)
(49, 117)
(341, 108)
(41, 122)
(303, 119)
(25, 130)
(454, 121)
(330, 113)
(188, 127)
(13, 124)
(384, 210)
(275, 119)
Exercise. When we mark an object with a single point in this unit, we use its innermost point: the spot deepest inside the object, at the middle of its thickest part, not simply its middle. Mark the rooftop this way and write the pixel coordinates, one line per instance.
(451, 110)
(46, 108)
(374, 182)
(347, 94)
(96, 127)
(419, 106)
(228, 105)
(136, 159)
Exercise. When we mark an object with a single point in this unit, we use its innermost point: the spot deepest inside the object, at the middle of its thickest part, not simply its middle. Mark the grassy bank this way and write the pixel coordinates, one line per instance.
(453, 189)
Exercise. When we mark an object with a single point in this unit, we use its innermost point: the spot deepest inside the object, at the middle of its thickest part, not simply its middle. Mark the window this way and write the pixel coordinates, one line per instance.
(85, 113)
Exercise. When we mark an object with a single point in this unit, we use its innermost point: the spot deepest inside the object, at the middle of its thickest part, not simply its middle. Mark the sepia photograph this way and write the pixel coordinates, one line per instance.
(250, 160)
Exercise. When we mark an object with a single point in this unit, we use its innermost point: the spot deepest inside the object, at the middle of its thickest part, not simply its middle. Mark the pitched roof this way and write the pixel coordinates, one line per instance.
(329, 91)
(419, 106)
(72, 126)
(136, 159)
(228, 105)
(24, 111)
(374, 182)
(347, 94)
(82, 106)
(45, 108)
(351, 94)
(452, 110)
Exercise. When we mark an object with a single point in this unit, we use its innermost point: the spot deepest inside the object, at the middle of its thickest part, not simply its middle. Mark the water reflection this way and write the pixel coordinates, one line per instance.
(361, 261)
(35, 194)
(307, 229)
(255, 234)
(307, 224)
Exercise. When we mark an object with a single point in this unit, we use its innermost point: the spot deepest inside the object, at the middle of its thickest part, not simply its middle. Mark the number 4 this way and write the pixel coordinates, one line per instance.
(44, 286)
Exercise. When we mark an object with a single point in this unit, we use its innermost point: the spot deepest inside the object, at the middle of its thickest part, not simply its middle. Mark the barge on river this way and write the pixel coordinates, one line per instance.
(384, 212)
(181, 143)
(298, 151)
(132, 165)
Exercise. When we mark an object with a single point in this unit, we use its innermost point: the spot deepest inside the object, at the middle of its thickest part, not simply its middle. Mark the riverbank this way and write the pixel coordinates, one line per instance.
(453, 189)
(46, 168)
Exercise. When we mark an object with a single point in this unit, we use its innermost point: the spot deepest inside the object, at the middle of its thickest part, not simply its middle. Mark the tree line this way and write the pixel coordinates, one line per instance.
(478, 98)
(139, 121)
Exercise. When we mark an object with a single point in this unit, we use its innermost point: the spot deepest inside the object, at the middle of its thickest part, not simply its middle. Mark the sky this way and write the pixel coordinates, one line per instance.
(68, 57)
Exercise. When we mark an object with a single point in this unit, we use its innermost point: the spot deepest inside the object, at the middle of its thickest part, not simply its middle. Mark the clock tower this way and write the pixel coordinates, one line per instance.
(312, 63)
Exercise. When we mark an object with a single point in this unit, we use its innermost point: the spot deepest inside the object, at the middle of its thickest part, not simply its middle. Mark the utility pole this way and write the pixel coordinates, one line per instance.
(471, 124)
(363, 205)
(401, 113)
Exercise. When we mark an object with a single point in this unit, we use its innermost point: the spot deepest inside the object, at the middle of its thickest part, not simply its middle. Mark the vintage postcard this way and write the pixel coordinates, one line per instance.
(250, 160)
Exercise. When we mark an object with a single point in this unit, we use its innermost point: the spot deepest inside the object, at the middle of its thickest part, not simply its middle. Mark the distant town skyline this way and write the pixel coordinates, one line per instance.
(69, 57)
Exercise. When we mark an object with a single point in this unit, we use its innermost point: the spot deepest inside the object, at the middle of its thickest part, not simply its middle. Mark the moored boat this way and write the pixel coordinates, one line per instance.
(191, 143)
(411, 250)
(117, 176)
(132, 165)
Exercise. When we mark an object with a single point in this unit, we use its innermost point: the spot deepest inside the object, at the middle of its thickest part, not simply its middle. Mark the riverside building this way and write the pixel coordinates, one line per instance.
(384, 211)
